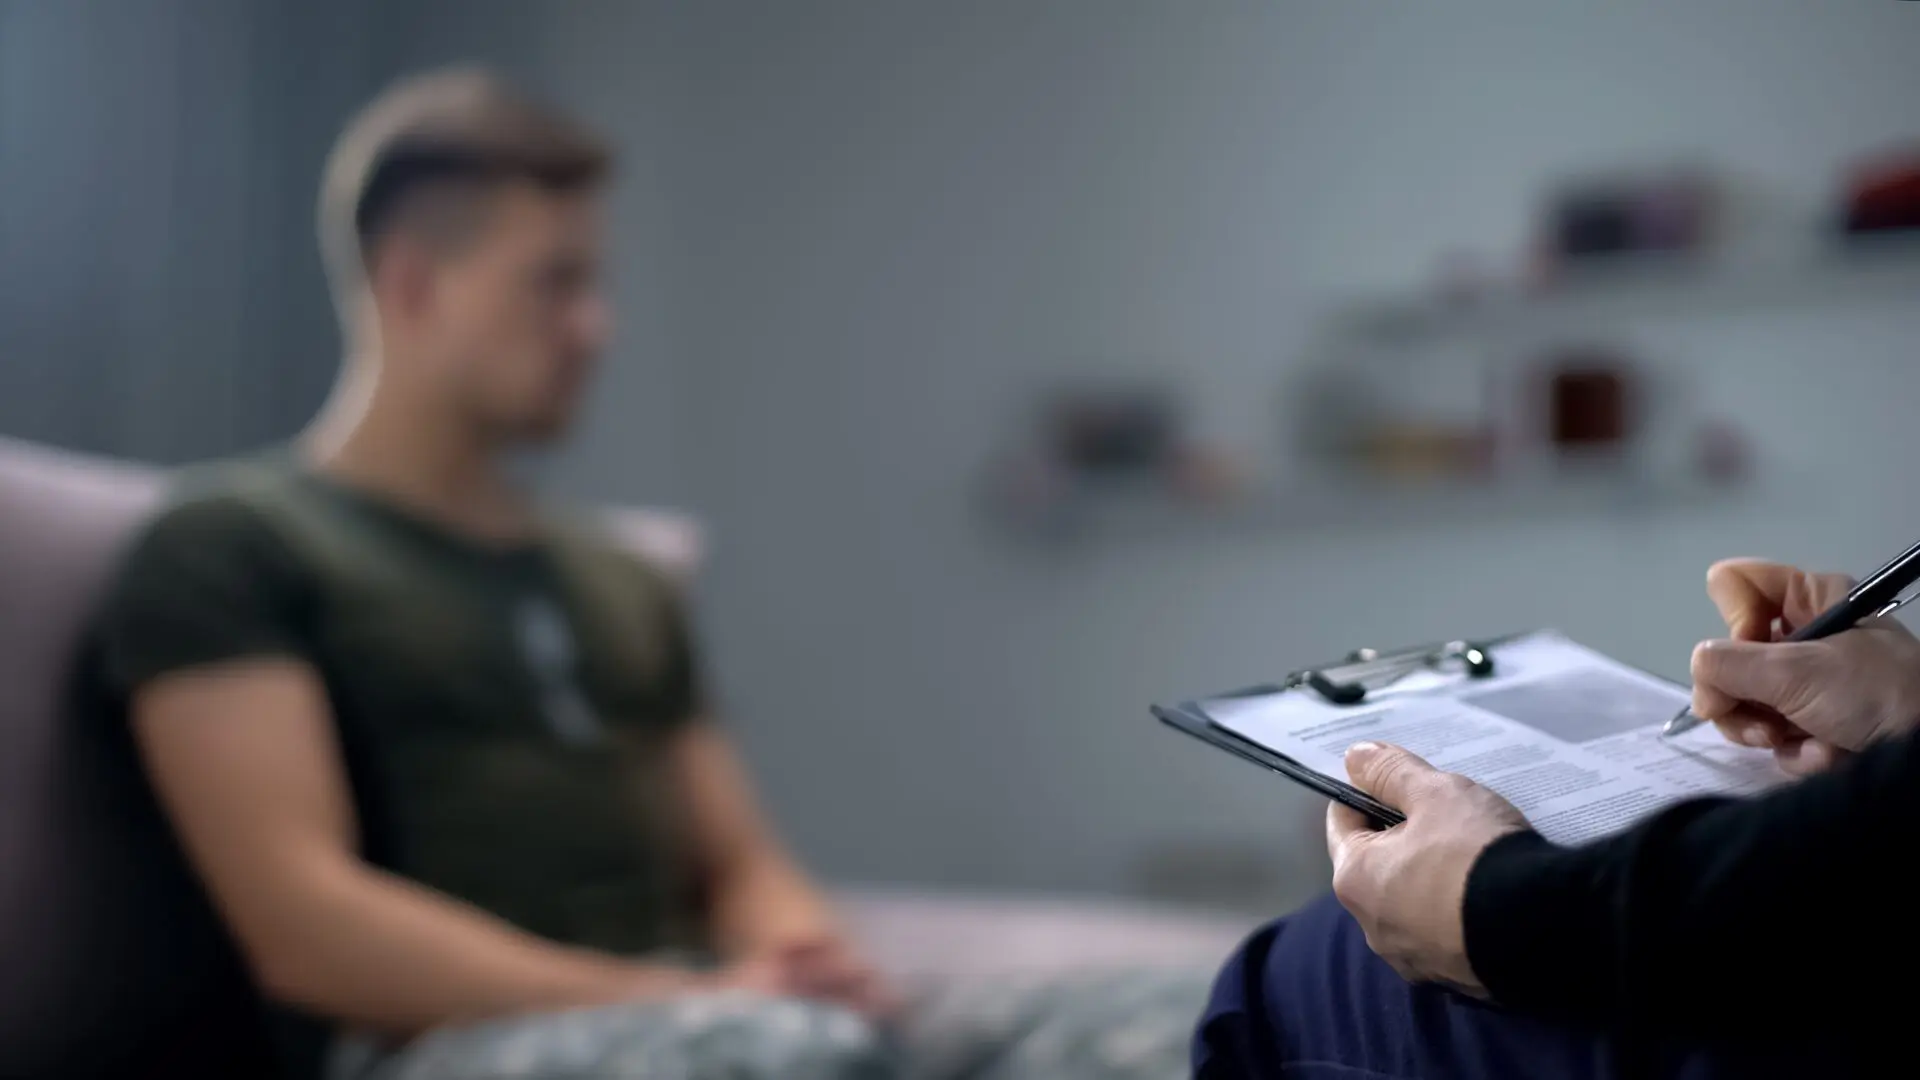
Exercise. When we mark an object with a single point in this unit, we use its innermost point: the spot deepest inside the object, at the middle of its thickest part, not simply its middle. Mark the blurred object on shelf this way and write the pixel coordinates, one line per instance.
(1353, 417)
(1107, 442)
(1667, 212)
(1204, 475)
(1120, 431)
(1590, 400)
(1406, 450)
(1883, 194)
(1723, 453)
(1330, 405)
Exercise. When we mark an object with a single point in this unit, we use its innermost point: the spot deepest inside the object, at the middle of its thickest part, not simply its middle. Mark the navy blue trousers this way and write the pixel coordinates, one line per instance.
(1305, 998)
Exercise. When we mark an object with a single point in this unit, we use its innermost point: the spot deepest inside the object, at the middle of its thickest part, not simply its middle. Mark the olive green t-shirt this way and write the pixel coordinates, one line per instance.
(501, 712)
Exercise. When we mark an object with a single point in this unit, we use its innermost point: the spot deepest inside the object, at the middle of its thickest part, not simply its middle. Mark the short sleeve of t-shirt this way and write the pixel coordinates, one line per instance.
(208, 581)
(683, 688)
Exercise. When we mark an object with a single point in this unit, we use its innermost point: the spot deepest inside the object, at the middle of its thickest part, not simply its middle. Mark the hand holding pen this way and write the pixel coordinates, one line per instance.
(1790, 679)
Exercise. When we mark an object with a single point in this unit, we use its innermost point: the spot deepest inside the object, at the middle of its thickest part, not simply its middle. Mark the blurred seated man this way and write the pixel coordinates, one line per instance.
(443, 761)
(1720, 938)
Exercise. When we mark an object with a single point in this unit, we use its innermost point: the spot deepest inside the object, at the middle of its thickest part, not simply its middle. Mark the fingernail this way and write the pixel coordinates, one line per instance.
(1367, 747)
(1754, 736)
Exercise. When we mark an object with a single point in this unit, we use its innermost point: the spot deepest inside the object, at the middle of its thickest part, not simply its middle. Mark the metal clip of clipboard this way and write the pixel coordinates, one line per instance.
(1346, 682)
(1349, 681)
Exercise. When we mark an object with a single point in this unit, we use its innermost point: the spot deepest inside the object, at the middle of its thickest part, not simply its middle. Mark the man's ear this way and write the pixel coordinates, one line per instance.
(401, 277)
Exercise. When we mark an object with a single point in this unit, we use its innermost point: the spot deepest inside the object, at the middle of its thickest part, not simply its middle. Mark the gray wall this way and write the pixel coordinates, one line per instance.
(892, 219)
(160, 294)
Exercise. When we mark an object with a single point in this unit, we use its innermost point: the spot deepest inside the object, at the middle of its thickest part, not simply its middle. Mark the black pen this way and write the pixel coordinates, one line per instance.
(1878, 595)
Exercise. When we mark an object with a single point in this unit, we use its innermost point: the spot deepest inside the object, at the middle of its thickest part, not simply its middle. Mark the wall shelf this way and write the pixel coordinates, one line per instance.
(1126, 513)
(1855, 270)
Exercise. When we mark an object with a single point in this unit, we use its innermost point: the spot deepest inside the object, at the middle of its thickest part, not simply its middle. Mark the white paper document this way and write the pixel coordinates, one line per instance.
(1568, 735)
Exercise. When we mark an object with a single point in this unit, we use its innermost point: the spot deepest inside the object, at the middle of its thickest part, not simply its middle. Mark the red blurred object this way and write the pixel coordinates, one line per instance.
(1589, 400)
(1884, 194)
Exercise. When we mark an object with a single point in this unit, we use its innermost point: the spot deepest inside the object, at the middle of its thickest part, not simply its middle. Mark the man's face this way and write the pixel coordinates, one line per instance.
(516, 318)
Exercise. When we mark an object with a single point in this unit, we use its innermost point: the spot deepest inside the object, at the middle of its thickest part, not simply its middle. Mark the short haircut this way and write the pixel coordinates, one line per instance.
(422, 152)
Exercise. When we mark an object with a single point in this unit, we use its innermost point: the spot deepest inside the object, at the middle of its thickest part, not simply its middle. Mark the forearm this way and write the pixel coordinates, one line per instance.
(1671, 927)
(760, 896)
(373, 949)
(764, 899)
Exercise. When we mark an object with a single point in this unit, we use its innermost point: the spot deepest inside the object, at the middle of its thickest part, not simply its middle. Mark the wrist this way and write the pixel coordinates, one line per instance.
(773, 937)
(613, 981)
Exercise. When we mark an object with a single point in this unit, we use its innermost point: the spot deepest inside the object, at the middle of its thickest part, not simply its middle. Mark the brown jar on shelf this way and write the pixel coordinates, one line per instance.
(1589, 402)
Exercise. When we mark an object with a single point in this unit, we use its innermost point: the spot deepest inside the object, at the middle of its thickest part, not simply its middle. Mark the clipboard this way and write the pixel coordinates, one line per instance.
(1345, 683)
(1182, 718)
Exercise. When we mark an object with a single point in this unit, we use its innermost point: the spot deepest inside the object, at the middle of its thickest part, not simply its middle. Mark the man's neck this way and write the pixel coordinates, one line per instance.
(372, 438)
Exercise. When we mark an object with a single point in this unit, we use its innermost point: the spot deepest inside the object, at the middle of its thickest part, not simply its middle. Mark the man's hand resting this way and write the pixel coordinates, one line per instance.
(1405, 885)
(1814, 702)
(825, 969)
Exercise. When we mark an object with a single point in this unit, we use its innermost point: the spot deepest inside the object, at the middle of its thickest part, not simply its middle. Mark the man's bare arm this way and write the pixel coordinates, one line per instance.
(244, 759)
(762, 899)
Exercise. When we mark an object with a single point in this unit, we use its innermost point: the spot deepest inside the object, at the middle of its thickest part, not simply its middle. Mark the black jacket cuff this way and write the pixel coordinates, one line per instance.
(1537, 932)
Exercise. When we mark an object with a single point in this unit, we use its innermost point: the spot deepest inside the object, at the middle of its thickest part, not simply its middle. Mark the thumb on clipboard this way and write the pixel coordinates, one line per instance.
(1406, 885)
